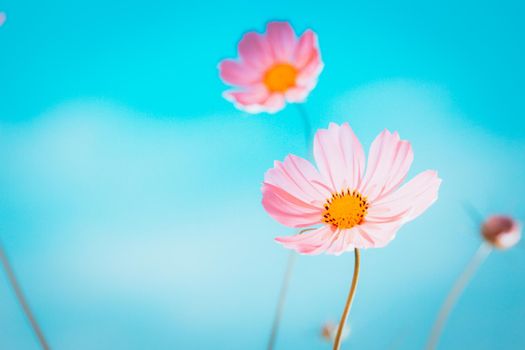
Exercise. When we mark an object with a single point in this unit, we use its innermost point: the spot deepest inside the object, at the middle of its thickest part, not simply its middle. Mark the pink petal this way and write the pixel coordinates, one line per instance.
(310, 243)
(251, 100)
(300, 92)
(237, 73)
(388, 164)
(287, 209)
(408, 202)
(308, 61)
(298, 177)
(282, 40)
(274, 103)
(297, 94)
(3, 17)
(255, 50)
(374, 235)
(339, 156)
(340, 244)
(310, 72)
(306, 48)
(293, 193)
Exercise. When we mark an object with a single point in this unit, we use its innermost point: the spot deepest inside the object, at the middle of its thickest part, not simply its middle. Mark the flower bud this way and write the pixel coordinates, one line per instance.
(502, 232)
(329, 331)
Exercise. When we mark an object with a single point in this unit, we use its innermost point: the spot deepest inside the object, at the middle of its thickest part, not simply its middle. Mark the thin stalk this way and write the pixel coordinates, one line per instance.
(307, 127)
(473, 213)
(349, 300)
(282, 295)
(479, 257)
(22, 300)
(282, 298)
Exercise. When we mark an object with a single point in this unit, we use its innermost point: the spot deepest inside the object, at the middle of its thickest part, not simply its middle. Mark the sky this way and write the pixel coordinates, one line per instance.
(130, 189)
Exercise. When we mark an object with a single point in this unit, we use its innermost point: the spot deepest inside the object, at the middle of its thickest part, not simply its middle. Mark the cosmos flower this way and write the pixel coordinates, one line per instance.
(501, 231)
(354, 208)
(3, 17)
(272, 69)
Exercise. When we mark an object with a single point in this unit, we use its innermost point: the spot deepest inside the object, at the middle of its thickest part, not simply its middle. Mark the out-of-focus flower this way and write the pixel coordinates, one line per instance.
(329, 331)
(356, 209)
(501, 231)
(3, 17)
(272, 69)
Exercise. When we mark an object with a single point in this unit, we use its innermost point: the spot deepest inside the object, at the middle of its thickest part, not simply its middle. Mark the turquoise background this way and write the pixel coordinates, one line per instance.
(130, 189)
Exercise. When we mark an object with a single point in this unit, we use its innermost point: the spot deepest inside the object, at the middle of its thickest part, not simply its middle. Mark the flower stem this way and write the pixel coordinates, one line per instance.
(282, 299)
(282, 295)
(479, 257)
(473, 213)
(307, 127)
(346, 311)
(21, 299)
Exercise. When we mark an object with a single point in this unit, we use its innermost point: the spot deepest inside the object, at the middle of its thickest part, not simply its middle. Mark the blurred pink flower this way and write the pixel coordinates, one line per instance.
(356, 209)
(329, 331)
(273, 68)
(501, 231)
(3, 17)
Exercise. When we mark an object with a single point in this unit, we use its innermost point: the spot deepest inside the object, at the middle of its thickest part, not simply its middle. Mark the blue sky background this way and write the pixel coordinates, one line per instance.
(130, 189)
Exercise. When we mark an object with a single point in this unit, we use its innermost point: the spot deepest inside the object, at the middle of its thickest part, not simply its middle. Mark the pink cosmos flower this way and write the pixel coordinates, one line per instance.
(354, 208)
(3, 17)
(501, 231)
(273, 68)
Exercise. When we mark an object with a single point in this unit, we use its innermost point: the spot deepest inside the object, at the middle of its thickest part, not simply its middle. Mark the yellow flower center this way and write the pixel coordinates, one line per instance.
(280, 77)
(345, 210)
